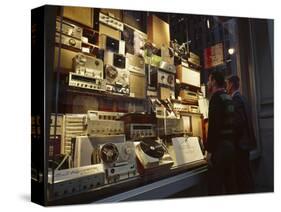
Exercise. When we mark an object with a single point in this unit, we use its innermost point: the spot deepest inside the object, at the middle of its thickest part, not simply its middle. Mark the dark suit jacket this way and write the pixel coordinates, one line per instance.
(221, 118)
(245, 136)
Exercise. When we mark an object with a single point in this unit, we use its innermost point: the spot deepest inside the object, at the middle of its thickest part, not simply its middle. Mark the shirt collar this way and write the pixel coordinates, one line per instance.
(235, 92)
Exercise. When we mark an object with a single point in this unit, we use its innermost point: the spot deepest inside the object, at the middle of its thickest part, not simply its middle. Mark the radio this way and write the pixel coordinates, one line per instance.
(69, 29)
(104, 127)
(116, 76)
(181, 107)
(109, 43)
(194, 59)
(194, 109)
(74, 125)
(188, 96)
(86, 148)
(68, 41)
(92, 36)
(76, 180)
(186, 108)
(170, 126)
(81, 81)
(112, 22)
(167, 79)
(136, 131)
(135, 63)
(187, 75)
(104, 115)
(118, 160)
(118, 89)
(115, 59)
(139, 41)
(88, 66)
(167, 67)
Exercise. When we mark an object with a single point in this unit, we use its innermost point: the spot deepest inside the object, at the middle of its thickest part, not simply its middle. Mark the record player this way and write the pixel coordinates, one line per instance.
(119, 160)
(152, 154)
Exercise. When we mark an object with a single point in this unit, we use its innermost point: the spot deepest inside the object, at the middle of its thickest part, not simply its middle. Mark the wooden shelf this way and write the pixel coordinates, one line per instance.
(103, 94)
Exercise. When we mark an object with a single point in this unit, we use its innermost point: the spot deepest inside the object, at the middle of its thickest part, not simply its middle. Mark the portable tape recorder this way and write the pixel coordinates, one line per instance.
(119, 160)
(88, 66)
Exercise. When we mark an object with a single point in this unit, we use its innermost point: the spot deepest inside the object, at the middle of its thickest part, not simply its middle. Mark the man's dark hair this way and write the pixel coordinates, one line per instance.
(218, 76)
(235, 81)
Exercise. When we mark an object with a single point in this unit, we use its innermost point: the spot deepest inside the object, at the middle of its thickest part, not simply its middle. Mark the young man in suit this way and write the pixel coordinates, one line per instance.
(220, 141)
(244, 138)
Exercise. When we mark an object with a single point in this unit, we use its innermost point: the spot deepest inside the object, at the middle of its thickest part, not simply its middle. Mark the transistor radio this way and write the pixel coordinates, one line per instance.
(187, 75)
(69, 29)
(112, 22)
(88, 66)
(189, 96)
(68, 41)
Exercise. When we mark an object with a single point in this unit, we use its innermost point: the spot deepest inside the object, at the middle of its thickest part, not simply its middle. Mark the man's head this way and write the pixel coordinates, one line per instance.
(232, 84)
(216, 81)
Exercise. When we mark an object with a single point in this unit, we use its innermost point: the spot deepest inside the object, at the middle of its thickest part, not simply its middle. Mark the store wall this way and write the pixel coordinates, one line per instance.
(256, 72)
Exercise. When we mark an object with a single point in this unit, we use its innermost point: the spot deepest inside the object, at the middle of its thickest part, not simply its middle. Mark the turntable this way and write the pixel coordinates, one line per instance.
(151, 153)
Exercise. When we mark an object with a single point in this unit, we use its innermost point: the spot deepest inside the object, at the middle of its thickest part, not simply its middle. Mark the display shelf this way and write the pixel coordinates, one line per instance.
(104, 94)
(142, 187)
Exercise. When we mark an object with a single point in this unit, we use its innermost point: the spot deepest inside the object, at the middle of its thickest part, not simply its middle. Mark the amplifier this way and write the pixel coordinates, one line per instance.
(104, 115)
(188, 96)
(187, 75)
(112, 22)
(136, 131)
(167, 67)
(114, 59)
(86, 148)
(72, 181)
(69, 29)
(81, 81)
(74, 125)
(88, 66)
(170, 126)
(114, 45)
(104, 127)
(193, 58)
(68, 41)
(186, 108)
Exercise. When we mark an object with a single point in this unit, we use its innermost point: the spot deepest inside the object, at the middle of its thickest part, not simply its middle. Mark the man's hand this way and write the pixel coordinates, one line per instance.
(208, 158)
